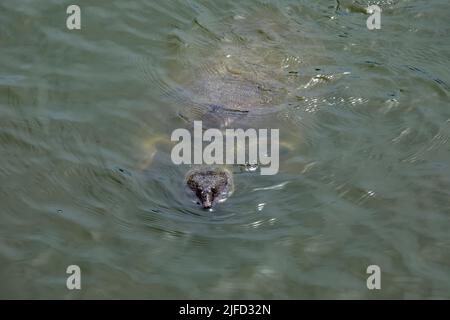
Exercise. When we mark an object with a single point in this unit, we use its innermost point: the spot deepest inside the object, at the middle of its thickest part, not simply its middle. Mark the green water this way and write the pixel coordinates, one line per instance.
(366, 179)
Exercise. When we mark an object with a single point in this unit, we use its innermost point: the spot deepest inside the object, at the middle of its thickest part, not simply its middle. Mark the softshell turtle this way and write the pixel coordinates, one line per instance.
(227, 97)
(231, 86)
(235, 89)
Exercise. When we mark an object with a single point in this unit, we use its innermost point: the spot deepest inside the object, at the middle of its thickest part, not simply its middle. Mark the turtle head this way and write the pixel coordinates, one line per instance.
(210, 185)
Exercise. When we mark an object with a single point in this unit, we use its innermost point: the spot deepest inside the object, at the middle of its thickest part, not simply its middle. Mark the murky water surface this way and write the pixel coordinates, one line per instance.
(86, 176)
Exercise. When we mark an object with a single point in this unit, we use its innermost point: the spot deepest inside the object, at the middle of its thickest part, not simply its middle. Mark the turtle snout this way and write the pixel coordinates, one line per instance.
(206, 200)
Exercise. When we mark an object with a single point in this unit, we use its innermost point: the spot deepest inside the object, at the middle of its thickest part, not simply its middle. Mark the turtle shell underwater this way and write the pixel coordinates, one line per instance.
(232, 85)
(231, 97)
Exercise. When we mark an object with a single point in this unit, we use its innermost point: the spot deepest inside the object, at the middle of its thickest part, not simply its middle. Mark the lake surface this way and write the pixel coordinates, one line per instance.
(86, 178)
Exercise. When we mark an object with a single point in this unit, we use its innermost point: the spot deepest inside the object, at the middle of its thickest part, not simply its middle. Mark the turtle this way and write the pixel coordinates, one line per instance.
(233, 86)
(225, 95)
